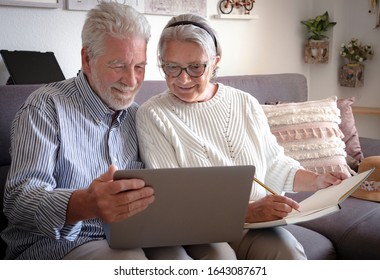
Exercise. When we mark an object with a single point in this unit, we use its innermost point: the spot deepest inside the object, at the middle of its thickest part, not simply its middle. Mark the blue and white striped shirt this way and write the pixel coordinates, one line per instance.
(63, 137)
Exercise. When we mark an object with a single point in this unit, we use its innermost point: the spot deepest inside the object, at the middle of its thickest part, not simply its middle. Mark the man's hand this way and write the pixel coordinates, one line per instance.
(271, 207)
(109, 200)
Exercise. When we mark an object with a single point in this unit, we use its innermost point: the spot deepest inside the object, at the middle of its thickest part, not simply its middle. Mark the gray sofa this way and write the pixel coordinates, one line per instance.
(352, 233)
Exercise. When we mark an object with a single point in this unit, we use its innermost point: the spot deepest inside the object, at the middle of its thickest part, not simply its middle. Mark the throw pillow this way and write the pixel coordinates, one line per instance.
(309, 132)
(347, 125)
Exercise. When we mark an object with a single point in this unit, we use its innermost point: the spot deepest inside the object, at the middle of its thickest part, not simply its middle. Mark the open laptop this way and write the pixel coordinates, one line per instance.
(31, 67)
(192, 206)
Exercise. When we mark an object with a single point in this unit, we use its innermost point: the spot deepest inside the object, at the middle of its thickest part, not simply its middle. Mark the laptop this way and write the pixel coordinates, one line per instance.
(31, 67)
(192, 206)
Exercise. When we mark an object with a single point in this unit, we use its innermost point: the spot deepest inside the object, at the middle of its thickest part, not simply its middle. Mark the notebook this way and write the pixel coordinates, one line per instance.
(31, 67)
(321, 203)
(192, 206)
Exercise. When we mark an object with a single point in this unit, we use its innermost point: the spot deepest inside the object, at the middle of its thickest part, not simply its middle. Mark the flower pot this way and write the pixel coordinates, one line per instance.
(316, 51)
(352, 75)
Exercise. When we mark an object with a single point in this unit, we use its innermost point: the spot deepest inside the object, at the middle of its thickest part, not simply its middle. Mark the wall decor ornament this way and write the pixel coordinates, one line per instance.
(244, 6)
(162, 7)
(354, 53)
(316, 49)
(375, 8)
(52, 4)
(352, 75)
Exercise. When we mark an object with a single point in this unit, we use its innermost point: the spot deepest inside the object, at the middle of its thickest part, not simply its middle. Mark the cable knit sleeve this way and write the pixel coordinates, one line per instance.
(279, 169)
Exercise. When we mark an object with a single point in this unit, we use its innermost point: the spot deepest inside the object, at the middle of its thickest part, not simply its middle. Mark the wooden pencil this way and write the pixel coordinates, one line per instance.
(268, 189)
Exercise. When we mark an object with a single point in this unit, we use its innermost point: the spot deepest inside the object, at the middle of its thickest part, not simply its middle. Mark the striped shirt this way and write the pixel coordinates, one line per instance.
(62, 138)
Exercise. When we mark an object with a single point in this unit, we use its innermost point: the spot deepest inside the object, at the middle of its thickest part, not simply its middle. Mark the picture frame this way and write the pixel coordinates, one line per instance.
(52, 4)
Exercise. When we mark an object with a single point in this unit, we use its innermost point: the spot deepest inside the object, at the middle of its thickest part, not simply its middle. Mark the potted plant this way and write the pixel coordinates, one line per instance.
(355, 53)
(317, 46)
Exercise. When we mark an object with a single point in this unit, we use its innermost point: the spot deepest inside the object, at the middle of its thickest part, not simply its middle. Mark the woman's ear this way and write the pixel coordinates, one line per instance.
(215, 63)
(217, 59)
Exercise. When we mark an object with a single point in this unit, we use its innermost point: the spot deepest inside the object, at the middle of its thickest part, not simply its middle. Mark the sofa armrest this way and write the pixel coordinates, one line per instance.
(370, 146)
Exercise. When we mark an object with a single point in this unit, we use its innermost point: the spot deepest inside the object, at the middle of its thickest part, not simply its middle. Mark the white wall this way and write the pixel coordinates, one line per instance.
(353, 21)
(271, 44)
(267, 45)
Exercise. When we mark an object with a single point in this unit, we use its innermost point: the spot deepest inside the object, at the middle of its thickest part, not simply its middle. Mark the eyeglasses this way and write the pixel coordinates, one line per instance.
(194, 70)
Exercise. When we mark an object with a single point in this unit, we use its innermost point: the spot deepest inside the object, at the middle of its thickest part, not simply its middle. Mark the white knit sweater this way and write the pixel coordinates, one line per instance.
(229, 129)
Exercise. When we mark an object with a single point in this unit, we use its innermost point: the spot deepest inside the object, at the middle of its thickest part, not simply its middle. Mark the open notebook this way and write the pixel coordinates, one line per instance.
(192, 206)
(321, 203)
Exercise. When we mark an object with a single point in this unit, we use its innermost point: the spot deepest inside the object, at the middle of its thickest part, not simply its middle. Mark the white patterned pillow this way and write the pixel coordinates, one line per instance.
(309, 132)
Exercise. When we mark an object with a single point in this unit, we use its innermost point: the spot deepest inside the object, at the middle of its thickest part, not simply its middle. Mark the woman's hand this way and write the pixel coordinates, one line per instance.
(307, 181)
(325, 180)
(270, 207)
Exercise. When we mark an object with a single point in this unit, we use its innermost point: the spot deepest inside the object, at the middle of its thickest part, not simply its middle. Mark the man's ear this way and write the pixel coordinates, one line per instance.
(85, 60)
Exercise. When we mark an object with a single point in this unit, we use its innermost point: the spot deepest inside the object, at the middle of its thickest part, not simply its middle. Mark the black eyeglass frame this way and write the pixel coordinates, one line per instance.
(204, 65)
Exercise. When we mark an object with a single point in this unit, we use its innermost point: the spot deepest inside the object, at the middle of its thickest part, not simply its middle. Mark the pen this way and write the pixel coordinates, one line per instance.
(268, 189)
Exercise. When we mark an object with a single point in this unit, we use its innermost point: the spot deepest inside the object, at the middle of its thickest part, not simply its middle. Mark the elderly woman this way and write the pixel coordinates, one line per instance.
(198, 122)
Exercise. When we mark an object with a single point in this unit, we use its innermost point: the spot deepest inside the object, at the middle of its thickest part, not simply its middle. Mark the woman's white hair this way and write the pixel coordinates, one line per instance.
(190, 28)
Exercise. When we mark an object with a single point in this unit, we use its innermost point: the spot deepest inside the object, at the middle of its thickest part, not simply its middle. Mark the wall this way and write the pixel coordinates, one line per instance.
(271, 44)
(353, 21)
(58, 30)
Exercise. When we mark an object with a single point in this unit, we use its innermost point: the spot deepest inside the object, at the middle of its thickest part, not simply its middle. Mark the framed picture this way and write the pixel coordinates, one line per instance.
(153, 7)
(33, 3)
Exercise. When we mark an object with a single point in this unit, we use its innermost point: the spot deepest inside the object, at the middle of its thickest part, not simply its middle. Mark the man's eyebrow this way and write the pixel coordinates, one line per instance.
(113, 62)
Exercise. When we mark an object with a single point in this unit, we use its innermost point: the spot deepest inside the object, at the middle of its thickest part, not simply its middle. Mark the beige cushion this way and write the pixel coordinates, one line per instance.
(309, 132)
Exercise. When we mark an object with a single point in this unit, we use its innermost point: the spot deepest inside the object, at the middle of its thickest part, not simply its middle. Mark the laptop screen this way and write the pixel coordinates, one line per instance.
(31, 67)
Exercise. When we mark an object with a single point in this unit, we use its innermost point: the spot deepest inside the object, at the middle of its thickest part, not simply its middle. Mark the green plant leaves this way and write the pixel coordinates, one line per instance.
(318, 26)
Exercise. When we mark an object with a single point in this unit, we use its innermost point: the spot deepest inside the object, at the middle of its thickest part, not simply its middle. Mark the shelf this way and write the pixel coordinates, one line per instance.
(366, 110)
(233, 16)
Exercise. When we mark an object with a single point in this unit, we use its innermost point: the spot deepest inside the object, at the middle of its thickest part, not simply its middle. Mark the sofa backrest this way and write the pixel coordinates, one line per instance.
(266, 88)
(284, 87)
(11, 99)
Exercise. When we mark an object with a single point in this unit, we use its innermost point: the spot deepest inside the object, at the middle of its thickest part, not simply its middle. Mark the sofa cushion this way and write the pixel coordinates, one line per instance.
(347, 125)
(12, 97)
(309, 132)
(3, 219)
(316, 246)
(370, 146)
(284, 87)
(354, 230)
